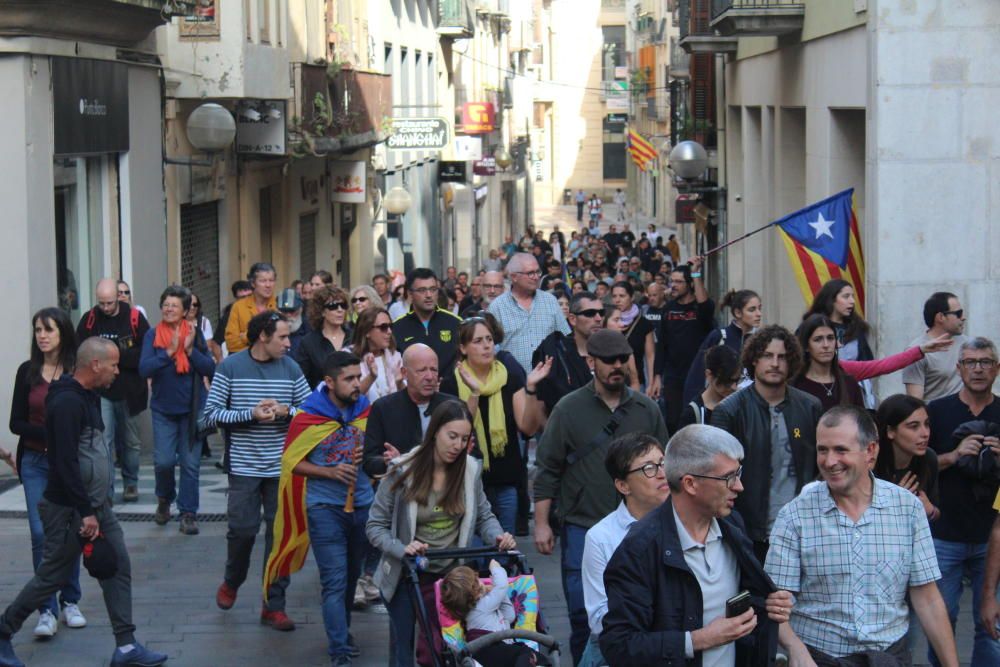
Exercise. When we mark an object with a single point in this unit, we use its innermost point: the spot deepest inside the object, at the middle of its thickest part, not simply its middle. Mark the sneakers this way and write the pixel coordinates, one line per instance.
(225, 597)
(138, 656)
(371, 590)
(47, 625)
(342, 661)
(353, 649)
(360, 599)
(162, 515)
(189, 525)
(277, 619)
(72, 616)
(7, 656)
(131, 494)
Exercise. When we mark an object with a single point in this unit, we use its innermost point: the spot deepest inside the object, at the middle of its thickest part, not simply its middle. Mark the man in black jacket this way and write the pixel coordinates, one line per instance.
(127, 397)
(76, 507)
(670, 579)
(397, 422)
(427, 323)
(569, 353)
(776, 424)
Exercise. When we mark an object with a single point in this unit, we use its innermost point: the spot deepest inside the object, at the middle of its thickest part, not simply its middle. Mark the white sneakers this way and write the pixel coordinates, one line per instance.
(72, 616)
(47, 625)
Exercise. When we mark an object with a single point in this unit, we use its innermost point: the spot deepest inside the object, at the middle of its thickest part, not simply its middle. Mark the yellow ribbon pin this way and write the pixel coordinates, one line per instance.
(796, 433)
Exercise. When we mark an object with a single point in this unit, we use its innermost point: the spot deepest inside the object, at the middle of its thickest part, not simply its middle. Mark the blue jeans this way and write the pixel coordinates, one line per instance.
(572, 540)
(956, 559)
(592, 654)
(338, 545)
(115, 416)
(172, 447)
(34, 478)
(503, 500)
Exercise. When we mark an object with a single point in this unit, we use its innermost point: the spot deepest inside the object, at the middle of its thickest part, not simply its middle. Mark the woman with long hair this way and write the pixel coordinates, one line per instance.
(639, 333)
(836, 301)
(722, 377)
(53, 353)
(327, 311)
(821, 374)
(431, 498)
(382, 364)
(746, 315)
(904, 456)
(503, 404)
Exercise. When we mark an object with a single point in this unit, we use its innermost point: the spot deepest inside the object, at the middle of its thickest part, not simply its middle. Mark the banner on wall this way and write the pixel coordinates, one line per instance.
(347, 181)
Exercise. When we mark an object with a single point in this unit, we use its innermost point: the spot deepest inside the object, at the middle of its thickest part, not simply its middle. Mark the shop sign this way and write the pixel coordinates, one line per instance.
(260, 127)
(480, 192)
(468, 148)
(90, 100)
(450, 171)
(478, 117)
(347, 181)
(685, 206)
(485, 167)
(417, 133)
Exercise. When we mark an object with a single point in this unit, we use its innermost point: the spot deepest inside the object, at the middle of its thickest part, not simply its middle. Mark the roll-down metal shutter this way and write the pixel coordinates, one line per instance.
(200, 254)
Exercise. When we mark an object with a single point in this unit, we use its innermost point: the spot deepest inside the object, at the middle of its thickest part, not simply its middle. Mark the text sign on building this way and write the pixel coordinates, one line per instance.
(478, 117)
(417, 133)
(485, 167)
(468, 148)
(450, 171)
(90, 100)
(347, 181)
(260, 127)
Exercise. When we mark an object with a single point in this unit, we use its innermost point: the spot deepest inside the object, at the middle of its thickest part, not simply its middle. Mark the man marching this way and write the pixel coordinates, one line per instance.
(324, 447)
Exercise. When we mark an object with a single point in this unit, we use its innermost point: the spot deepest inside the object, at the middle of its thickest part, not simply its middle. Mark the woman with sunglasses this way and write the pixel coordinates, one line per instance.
(327, 311)
(373, 343)
(197, 318)
(53, 353)
(722, 377)
(362, 298)
(502, 405)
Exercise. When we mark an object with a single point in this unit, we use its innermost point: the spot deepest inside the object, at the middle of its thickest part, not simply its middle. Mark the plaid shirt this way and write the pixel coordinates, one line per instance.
(524, 330)
(851, 579)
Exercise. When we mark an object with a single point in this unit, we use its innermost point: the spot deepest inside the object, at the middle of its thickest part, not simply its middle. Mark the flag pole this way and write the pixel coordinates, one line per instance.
(738, 239)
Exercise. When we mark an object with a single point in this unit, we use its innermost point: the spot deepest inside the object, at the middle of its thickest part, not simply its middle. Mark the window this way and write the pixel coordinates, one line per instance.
(614, 146)
(264, 20)
(614, 51)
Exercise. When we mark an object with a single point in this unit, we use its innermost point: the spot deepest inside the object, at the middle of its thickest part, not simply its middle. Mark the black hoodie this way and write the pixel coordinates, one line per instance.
(81, 470)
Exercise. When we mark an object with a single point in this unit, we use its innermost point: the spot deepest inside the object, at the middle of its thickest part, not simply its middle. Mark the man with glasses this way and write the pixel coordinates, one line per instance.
(854, 550)
(776, 423)
(570, 463)
(935, 375)
(262, 277)
(669, 582)
(473, 302)
(962, 531)
(570, 369)
(493, 286)
(527, 314)
(426, 322)
(254, 395)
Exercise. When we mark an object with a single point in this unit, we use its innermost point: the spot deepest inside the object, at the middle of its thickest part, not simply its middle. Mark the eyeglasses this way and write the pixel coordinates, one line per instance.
(492, 286)
(621, 359)
(384, 328)
(650, 470)
(127, 292)
(590, 312)
(530, 274)
(335, 305)
(425, 290)
(359, 299)
(729, 479)
(985, 364)
(957, 313)
(195, 304)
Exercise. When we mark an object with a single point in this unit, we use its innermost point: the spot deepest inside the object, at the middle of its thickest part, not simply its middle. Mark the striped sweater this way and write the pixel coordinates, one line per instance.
(240, 383)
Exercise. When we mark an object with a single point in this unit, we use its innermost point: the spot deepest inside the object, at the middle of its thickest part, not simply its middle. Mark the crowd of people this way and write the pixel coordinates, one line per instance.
(721, 492)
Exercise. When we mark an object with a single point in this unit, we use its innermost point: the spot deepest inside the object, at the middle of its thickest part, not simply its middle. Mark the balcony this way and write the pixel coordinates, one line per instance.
(116, 22)
(342, 113)
(696, 35)
(757, 18)
(456, 20)
(679, 60)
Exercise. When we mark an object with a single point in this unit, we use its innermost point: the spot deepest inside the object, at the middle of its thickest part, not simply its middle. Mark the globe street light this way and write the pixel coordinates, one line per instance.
(503, 158)
(397, 201)
(689, 160)
(211, 128)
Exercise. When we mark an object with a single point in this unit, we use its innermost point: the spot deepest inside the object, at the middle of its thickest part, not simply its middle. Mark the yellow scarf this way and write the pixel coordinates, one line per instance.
(495, 381)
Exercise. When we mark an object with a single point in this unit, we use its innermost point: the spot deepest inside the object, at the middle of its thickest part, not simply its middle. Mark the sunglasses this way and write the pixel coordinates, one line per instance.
(621, 359)
(126, 292)
(590, 312)
(195, 304)
(359, 299)
(384, 328)
(335, 305)
(957, 313)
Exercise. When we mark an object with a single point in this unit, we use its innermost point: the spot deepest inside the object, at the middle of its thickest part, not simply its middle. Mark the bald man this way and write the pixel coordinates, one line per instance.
(397, 422)
(127, 397)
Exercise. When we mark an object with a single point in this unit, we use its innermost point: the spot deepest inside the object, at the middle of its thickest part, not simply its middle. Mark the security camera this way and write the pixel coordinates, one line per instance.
(250, 114)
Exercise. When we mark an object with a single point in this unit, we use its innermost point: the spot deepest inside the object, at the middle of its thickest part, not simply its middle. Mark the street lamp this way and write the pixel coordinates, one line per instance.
(503, 158)
(397, 201)
(210, 128)
(689, 160)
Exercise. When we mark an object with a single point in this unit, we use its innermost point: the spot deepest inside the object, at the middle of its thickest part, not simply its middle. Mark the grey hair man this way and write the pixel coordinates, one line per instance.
(527, 314)
(670, 580)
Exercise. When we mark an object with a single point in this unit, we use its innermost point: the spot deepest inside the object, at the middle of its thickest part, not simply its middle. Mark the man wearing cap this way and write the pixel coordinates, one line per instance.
(290, 305)
(570, 462)
(76, 508)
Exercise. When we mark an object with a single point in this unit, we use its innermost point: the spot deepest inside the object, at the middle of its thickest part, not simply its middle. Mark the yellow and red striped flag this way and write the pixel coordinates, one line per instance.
(640, 149)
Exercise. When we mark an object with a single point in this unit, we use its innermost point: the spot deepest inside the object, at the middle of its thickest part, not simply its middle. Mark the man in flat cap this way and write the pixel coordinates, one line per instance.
(570, 462)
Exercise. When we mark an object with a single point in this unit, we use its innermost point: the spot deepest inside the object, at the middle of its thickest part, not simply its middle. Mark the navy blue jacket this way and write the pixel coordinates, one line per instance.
(172, 391)
(654, 598)
(695, 382)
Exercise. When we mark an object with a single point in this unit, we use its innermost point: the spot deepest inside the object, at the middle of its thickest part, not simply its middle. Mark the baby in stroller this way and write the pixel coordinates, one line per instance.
(483, 609)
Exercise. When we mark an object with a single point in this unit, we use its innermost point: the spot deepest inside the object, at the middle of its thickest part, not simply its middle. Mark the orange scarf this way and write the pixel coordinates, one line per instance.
(165, 335)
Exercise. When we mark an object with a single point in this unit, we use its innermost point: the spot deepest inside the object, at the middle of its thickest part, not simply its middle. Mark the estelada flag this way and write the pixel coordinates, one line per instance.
(291, 529)
(823, 243)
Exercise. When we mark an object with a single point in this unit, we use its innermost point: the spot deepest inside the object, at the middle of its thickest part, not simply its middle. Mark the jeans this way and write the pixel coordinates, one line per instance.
(958, 559)
(592, 654)
(115, 416)
(34, 478)
(172, 446)
(247, 496)
(503, 500)
(61, 554)
(338, 545)
(572, 540)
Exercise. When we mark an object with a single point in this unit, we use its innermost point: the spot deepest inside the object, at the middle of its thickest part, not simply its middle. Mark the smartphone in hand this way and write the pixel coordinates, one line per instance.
(738, 604)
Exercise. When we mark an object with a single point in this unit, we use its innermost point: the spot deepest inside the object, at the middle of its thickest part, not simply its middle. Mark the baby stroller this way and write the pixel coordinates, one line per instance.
(529, 627)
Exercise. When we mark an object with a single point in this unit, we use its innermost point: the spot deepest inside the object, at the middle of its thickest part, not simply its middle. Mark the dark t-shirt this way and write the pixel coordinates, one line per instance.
(508, 469)
(930, 487)
(963, 519)
(654, 316)
(691, 414)
(682, 329)
(832, 398)
(637, 341)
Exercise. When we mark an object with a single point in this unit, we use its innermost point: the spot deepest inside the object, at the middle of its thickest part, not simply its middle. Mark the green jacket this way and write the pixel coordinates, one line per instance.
(584, 491)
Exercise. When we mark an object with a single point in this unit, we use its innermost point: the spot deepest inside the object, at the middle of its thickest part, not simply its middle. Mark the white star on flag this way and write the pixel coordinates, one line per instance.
(822, 226)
